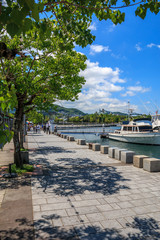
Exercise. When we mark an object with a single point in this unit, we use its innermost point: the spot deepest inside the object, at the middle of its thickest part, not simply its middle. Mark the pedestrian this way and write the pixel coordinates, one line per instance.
(44, 128)
(38, 128)
(47, 128)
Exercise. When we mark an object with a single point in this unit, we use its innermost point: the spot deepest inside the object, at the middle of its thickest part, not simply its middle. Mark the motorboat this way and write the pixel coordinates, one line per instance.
(137, 131)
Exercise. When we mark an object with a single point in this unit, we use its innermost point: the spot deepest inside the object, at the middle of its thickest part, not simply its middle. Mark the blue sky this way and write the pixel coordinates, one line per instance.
(123, 65)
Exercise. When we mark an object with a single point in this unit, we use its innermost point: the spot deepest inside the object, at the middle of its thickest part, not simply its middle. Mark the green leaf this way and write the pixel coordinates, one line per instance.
(30, 3)
(40, 7)
(35, 13)
(12, 29)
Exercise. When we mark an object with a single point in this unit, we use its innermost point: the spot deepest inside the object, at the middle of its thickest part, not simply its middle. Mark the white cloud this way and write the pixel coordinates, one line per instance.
(138, 47)
(93, 27)
(133, 90)
(98, 48)
(153, 45)
(98, 92)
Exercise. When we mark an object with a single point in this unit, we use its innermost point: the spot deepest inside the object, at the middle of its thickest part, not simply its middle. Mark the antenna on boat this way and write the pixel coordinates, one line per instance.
(130, 111)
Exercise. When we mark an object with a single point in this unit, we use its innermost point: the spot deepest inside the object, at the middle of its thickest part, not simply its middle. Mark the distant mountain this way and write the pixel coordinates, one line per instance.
(67, 111)
(118, 113)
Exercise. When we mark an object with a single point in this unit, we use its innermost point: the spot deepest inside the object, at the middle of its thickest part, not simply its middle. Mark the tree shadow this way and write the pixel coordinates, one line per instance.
(148, 229)
(50, 149)
(139, 229)
(14, 183)
(75, 176)
(24, 230)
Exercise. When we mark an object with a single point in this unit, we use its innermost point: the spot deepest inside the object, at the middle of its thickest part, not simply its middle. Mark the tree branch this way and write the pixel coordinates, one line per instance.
(28, 110)
(86, 7)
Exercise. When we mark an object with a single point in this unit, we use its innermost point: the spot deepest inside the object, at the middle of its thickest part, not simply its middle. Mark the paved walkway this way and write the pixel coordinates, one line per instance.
(86, 195)
(16, 215)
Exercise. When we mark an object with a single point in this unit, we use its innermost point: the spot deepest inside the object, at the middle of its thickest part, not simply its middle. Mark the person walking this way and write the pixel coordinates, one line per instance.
(47, 128)
(44, 128)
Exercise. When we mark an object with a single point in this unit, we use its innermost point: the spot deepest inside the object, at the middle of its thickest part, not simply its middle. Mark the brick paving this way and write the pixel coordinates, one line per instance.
(87, 195)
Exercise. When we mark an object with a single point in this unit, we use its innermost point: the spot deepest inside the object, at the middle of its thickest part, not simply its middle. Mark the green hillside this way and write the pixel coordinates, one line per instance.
(67, 111)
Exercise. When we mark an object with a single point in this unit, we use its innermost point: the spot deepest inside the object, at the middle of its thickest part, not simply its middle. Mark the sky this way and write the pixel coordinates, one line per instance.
(123, 65)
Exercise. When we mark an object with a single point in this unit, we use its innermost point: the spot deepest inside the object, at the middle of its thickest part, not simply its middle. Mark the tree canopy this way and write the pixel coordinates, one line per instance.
(71, 16)
(47, 71)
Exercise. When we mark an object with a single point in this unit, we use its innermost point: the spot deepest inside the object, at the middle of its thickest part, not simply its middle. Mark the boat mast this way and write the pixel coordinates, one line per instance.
(130, 111)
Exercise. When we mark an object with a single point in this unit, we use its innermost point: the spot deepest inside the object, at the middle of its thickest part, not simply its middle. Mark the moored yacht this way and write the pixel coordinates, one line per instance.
(137, 131)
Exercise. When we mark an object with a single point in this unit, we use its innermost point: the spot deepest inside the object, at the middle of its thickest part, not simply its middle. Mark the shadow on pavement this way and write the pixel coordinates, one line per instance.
(143, 229)
(146, 229)
(80, 175)
(14, 183)
(50, 149)
(24, 231)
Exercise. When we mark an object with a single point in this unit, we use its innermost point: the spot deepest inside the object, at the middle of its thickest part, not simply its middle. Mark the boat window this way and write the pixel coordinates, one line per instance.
(124, 128)
(145, 128)
(129, 128)
(135, 129)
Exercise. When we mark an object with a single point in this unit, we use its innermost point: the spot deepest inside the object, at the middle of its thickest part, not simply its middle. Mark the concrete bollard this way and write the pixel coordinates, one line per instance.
(65, 136)
(138, 160)
(81, 141)
(127, 156)
(151, 164)
(61, 135)
(118, 153)
(71, 139)
(96, 147)
(104, 149)
(111, 152)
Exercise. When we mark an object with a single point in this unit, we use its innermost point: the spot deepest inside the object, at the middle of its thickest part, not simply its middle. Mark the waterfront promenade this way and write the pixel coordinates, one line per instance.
(86, 195)
(82, 195)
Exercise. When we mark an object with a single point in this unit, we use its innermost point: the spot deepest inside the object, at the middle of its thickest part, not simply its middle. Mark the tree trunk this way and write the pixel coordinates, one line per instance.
(16, 138)
(21, 133)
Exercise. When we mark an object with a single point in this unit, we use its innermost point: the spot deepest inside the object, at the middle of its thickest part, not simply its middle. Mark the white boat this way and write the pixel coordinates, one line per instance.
(137, 131)
(156, 121)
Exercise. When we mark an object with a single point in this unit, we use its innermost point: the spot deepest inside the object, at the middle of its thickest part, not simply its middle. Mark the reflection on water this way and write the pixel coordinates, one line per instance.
(151, 151)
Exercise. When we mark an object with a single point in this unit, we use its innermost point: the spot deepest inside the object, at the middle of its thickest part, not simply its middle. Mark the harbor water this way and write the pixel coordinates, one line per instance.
(91, 135)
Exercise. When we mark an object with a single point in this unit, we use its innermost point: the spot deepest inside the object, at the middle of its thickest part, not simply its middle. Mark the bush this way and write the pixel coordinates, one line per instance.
(26, 168)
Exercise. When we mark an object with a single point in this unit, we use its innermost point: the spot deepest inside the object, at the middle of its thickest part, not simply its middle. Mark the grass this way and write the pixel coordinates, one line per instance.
(26, 168)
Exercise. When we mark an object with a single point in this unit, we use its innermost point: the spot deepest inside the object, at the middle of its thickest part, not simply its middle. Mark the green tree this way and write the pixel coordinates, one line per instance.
(48, 71)
(35, 117)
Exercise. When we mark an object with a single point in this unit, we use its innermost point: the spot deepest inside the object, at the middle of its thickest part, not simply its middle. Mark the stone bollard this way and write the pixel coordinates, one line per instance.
(151, 164)
(138, 160)
(61, 135)
(81, 141)
(96, 147)
(65, 136)
(118, 153)
(111, 152)
(104, 149)
(127, 156)
(71, 139)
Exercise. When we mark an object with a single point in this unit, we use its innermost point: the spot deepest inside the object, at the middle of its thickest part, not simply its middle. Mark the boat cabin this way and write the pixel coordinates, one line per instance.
(137, 125)
(133, 128)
